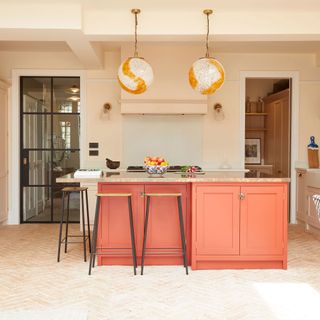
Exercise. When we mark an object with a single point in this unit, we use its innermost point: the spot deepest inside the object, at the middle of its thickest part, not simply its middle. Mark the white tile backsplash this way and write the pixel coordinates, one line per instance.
(178, 138)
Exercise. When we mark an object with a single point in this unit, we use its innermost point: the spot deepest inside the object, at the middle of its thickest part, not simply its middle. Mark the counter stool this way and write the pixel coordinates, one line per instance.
(66, 193)
(182, 234)
(94, 252)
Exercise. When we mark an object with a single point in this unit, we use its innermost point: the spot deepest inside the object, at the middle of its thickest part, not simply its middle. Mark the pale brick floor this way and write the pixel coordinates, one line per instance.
(30, 278)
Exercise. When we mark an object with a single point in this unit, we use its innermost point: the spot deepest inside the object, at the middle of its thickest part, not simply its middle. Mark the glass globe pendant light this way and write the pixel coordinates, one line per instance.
(206, 74)
(135, 75)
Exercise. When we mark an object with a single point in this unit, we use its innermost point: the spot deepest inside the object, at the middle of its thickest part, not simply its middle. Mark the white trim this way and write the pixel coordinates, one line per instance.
(294, 75)
(14, 122)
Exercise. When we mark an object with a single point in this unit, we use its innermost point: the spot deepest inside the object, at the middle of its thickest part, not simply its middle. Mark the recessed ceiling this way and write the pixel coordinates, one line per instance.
(234, 46)
(190, 5)
(34, 46)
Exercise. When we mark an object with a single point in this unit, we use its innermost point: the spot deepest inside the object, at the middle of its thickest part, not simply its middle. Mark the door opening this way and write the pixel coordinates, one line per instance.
(49, 145)
(268, 127)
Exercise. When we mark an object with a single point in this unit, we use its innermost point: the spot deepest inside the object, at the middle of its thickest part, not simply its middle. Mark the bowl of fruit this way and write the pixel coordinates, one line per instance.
(155, 166)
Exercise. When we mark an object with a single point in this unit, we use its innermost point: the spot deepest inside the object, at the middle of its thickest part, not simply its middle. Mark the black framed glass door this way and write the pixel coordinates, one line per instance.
(49, 145)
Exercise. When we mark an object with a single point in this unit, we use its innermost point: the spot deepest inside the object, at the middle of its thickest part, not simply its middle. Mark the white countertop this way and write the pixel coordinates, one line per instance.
(208, 176)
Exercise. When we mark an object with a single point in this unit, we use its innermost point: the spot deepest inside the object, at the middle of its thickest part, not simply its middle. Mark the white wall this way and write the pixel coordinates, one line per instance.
(3, 152)
(220, 139)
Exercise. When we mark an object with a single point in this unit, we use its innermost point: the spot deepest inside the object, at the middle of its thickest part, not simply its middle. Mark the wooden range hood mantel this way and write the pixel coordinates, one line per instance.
(163, 106)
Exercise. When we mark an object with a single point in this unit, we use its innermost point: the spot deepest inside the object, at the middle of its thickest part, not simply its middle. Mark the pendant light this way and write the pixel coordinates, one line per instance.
(206, 74)
(135, 75)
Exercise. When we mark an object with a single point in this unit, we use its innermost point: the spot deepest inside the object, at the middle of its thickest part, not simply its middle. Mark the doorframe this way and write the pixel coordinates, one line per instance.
(294, 76)
(14, 130)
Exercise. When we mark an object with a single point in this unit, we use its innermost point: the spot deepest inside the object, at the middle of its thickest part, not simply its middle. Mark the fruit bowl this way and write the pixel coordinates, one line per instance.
(156, 170)
(155, 166)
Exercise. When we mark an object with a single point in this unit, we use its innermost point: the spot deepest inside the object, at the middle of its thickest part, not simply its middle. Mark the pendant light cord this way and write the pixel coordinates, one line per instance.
(207, 37)
(136, 36)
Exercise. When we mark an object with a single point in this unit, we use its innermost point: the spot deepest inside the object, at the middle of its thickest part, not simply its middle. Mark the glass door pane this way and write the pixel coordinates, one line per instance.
(50, 128)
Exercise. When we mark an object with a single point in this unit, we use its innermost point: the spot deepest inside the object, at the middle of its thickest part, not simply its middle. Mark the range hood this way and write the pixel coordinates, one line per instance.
(163, 106)
(170, 92)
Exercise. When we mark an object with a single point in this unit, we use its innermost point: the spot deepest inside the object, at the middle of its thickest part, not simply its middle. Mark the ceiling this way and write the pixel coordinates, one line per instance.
(185, 5)
(88, 28)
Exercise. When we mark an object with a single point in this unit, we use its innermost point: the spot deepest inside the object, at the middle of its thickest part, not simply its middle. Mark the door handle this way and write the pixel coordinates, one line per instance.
(25, 161)
(242, 196)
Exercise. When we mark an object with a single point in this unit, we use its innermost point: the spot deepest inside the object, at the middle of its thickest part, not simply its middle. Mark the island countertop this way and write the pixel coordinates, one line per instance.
(136, 177)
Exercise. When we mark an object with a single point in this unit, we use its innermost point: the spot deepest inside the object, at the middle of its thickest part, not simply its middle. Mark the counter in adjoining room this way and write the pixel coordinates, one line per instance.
(230, 221)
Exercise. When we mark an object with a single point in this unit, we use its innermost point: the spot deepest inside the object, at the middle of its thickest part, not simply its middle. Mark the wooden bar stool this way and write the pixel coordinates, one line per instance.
(182, 234)
(94, 252)
(66, 192)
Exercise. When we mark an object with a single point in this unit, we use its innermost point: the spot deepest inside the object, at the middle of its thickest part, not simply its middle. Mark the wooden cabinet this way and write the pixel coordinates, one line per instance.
(262, 220)
(3, 153)
(277, 140)
(163, 227)
(217, 226)
(239, 226)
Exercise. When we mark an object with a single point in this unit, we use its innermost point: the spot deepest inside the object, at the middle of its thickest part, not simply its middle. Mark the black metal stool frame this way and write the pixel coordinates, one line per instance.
(84, 236)
(94, 252)
(182, 233)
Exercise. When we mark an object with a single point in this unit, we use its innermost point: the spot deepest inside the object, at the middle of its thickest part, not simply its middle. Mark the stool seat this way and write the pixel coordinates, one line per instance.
(94, 252)
(66, 193)
(113, 194)
(74, 189)
(163, 194)
(177, 195)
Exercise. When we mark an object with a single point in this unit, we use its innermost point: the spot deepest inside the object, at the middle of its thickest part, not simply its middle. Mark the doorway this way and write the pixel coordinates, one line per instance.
(268, 127)
(49, 145)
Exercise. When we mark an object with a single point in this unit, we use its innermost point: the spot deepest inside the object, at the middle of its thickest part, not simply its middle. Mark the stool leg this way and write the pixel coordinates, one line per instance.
(83, 228)
(145, 234)
(133, 245)
(88, 220)
(60, 230)
(94, 235)
(67, 223)
(183, 238)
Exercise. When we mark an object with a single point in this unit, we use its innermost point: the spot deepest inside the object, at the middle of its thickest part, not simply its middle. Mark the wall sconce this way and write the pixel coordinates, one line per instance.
(218, 112)
(106, 110)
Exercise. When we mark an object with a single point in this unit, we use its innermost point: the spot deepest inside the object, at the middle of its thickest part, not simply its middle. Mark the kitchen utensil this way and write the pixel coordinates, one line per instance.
(112, 164)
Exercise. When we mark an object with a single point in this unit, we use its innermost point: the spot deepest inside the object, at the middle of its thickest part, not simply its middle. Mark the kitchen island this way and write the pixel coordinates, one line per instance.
(230, 221)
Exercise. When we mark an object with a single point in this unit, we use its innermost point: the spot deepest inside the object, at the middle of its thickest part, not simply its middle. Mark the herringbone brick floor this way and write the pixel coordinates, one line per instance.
(30, 278)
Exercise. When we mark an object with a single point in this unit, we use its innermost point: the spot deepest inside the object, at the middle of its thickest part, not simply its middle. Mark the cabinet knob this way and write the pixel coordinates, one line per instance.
(300, 174)
(241, 196)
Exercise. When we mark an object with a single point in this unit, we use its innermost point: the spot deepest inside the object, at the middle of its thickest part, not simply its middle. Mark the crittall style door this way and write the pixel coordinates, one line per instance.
(49, 144)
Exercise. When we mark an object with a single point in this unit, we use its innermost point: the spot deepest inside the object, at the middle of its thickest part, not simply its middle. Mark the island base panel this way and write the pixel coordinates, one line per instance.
(218, 265)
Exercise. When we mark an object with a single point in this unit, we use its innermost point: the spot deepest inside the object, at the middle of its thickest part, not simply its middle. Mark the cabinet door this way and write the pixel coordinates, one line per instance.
(114, 226)
(217, 220)
(262, 220)
(163, 226)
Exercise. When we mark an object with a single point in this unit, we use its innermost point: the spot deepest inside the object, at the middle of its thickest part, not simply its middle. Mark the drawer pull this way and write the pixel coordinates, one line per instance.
(241, 196)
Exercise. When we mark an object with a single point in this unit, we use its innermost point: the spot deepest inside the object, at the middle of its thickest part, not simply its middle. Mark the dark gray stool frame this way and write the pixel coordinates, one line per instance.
(182, 233)
(94, 252)
(66, 192)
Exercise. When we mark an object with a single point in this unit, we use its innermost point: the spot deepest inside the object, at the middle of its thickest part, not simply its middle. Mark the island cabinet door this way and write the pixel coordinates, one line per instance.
(114, 227)
(217, 220)
(163, 227)
(262, 220)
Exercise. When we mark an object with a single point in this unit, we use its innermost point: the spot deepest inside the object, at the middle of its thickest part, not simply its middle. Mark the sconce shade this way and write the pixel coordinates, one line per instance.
(206, 75)
(135, 75)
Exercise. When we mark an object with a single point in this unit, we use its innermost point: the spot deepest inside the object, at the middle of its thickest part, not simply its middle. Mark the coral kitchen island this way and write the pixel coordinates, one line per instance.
(230, 221)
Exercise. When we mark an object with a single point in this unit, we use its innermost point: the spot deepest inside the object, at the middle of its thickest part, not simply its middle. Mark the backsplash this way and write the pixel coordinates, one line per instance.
(178, 138)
